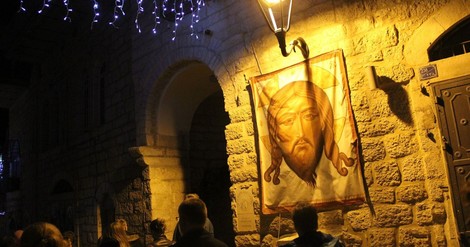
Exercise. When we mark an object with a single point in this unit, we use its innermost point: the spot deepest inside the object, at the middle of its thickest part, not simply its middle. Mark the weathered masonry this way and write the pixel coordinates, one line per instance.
(121, 124)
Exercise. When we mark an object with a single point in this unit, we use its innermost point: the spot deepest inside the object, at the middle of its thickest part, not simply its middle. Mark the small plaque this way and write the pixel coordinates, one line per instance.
(428, 72)
(245, 210)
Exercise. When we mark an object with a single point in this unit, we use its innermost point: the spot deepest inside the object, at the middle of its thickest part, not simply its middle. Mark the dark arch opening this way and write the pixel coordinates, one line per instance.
(210, 176)
(454, 42)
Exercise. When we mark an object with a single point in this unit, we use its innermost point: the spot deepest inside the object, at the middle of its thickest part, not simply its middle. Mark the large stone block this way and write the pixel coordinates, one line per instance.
(234, 131)
(373, 149)
(379, 103)
(240, 146)
(382, 194)
(392, 215)
(434, 166)
(435, 189)
(352, 240)
(247, 174)
(240, 114)
(412, 169)
(281, 225)
(413, 236)
(360, 219)
(384, 237)
(428, 213)
(330, 218)
(249, 240)
(236, 161)
(400, 145)
(411, 193)
(379, 127)
(387, 173)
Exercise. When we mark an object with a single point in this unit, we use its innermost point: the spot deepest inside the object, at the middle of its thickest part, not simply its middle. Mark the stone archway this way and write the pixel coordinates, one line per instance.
(187, 85)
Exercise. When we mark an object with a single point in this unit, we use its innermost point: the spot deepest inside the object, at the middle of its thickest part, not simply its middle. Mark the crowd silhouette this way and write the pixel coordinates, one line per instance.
(194, 229)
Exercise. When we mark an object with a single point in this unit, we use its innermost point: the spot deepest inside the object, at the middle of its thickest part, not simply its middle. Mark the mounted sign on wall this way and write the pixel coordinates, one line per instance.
(307, 140)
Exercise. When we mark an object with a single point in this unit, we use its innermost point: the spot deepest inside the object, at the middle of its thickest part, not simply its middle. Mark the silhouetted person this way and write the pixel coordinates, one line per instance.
(305, 219)
(42, 234)
(157, 228)
(134, 239)
(207, 225)
(192, 217)
(114, 232)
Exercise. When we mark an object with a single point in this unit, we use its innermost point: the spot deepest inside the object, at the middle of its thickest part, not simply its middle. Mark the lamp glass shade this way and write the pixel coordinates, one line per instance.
(277, 14)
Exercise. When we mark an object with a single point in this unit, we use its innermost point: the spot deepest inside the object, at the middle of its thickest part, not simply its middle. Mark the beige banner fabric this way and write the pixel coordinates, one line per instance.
(306, 136)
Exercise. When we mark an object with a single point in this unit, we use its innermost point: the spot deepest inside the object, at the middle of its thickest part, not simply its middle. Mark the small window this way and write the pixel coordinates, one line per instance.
(454, 42)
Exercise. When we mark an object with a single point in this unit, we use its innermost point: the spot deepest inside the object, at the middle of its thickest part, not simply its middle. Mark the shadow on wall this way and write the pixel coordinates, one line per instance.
(397, 98)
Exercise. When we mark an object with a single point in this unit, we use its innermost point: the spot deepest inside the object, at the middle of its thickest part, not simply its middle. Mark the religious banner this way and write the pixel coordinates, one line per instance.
(307, 139)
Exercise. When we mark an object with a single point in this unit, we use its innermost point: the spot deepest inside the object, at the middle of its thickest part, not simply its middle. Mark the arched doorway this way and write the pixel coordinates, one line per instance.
(210, 177)
(181, 108)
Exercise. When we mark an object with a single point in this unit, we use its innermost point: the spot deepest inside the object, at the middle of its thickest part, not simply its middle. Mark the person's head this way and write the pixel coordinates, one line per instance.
(118, 231)
(300, 124)
(123, 222)
(157, 227)
(42, 234)
(17, 234)
(192, 214)
(305, 218)
(69, 236)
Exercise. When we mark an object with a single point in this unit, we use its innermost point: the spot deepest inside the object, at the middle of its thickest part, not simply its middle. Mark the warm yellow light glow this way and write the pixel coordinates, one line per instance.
(272, 1)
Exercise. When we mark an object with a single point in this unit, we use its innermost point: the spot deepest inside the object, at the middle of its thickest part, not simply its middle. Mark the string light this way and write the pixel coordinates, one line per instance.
(160, 7)
(176, 20)
(96, 14)
(21, 9)
(157, 16)
(118, 9)
(140, 10)
(66, 4)
(45, 4)
(195, 15)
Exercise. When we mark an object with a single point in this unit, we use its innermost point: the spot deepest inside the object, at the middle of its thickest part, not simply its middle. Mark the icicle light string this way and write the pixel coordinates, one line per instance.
(45, 4)
(140, 10)
(160, 7)
(156, 18)
(21, 9)
(66, 5)
(96, 14)
(118, 9)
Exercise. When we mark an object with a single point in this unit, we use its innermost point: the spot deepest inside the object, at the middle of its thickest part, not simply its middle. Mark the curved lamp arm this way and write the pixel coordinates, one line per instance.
(299, 43)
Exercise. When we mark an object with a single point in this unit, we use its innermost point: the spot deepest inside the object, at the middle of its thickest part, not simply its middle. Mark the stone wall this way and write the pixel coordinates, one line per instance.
(404, 170)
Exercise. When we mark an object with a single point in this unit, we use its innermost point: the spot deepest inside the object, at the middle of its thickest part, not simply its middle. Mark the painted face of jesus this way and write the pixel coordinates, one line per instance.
(299, 135)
